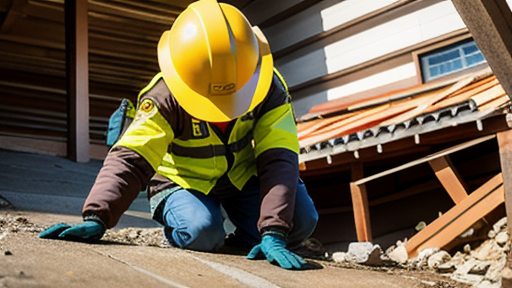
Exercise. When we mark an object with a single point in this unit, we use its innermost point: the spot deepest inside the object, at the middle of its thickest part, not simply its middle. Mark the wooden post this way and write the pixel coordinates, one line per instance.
(77, 84)
(505, 149)
(360, 204)
(489, 21)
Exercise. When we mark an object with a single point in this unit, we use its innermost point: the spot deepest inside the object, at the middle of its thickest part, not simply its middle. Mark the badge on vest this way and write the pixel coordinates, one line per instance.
(146, 110)
(199, 129)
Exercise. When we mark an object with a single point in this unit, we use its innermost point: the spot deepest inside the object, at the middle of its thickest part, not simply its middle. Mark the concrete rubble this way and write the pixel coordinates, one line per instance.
(482, 267)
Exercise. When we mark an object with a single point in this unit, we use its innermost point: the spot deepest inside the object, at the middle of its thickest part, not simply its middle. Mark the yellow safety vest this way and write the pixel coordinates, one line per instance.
(196, 159)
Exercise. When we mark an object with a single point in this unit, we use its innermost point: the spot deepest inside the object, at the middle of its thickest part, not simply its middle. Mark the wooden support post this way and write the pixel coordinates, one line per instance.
(505, 149)
(77, 73)
(449, 178)
(490, 24)
(360, 204)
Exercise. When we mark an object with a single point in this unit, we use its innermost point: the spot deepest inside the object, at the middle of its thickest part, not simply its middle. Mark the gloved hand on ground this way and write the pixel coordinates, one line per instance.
(86, 231)
(273, 246)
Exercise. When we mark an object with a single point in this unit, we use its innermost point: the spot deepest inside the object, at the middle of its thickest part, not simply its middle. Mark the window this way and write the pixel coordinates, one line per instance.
(450, 59)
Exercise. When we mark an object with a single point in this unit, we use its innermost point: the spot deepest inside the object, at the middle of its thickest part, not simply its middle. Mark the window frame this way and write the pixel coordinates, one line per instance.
(429, 48)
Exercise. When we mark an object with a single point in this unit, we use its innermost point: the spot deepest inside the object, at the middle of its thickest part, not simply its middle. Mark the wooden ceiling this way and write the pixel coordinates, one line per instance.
(122, 59)
(122, 38)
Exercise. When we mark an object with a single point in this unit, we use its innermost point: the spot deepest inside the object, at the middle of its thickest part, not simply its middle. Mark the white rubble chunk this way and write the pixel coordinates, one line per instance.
(500, 225)
(340, 257)
(438, 258)
(501, 238)
(359, 251)
(399, 255)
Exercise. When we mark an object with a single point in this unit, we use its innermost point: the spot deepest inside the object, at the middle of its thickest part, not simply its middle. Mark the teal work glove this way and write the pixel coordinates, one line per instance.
(85, 232)
(273, 246)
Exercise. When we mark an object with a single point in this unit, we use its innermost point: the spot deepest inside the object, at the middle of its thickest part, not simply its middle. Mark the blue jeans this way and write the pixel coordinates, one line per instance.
(194, 221)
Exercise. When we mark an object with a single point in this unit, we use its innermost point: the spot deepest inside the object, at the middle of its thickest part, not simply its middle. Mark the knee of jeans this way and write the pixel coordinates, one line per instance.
(303, 228)
(309, 223)
(196, 236)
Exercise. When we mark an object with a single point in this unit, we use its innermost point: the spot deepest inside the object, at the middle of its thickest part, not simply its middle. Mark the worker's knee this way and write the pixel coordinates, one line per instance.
(198, 235)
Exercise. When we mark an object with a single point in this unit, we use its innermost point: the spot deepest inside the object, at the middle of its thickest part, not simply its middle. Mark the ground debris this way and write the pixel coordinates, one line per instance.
(137, 236)
(481, 267)
(14, 222)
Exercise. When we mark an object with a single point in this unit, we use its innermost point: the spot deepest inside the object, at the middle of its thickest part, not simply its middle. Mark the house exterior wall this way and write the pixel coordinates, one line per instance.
(335, 48)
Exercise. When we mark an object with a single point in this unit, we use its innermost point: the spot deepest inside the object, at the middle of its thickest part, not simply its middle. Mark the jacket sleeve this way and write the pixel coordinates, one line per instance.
(134, 159)
(278, 174)
(123, 175)
(276, 148)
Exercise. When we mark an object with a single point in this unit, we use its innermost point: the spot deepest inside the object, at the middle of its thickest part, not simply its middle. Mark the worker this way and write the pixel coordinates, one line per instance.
(215, 128)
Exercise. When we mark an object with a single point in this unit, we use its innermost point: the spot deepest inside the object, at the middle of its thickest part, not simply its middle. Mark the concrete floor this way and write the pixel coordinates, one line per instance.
(47, 189)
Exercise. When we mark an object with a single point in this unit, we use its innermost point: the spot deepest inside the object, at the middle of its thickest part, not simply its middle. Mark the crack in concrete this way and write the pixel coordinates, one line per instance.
(159, 278)
(244, 277)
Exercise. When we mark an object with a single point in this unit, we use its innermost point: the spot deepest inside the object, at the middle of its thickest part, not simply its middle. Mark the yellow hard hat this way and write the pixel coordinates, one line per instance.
(214, 63)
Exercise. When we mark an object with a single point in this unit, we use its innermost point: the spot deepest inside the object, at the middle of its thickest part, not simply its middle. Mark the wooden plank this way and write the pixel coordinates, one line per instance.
(466, 220)
(428, 87)
(441, 153)
(461, 97)
(459, 218)
(305, 130)
(451, 181)
(360, 205)
(494, 104)
(505, 150)
(345, 126)
(486, 79)
(488, 95)
(367, 118)
(429, 101)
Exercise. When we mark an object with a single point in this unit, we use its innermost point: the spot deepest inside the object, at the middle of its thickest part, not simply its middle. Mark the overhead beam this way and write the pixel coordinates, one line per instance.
(77, 86)
(490, 23)
(13, 13)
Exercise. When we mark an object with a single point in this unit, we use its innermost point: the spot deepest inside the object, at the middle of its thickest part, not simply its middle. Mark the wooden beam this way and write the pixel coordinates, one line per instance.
(490, 23)
(360, 204)
(13, 13)
(77, 70)
(458, 219)
(505, 150)
(428, 158)
(449, 178)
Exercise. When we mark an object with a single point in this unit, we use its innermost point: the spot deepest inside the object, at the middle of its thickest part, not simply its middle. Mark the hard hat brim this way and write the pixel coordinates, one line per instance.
(218, 108)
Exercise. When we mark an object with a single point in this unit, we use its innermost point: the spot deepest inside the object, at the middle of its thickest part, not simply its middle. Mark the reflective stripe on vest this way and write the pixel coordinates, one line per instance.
(211, 150)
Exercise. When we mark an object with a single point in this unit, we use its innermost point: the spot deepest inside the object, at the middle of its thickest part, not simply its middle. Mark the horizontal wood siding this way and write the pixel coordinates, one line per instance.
(335, 49)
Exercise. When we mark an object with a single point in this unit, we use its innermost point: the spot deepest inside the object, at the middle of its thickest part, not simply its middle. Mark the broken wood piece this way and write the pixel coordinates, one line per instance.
(429, 102)
(458, 219)
(449, 178)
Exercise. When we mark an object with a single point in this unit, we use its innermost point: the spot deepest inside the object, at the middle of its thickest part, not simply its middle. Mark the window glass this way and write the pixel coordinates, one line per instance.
(450, 59)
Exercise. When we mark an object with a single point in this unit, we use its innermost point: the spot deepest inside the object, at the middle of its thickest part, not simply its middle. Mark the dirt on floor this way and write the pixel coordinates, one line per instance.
(18, 222)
